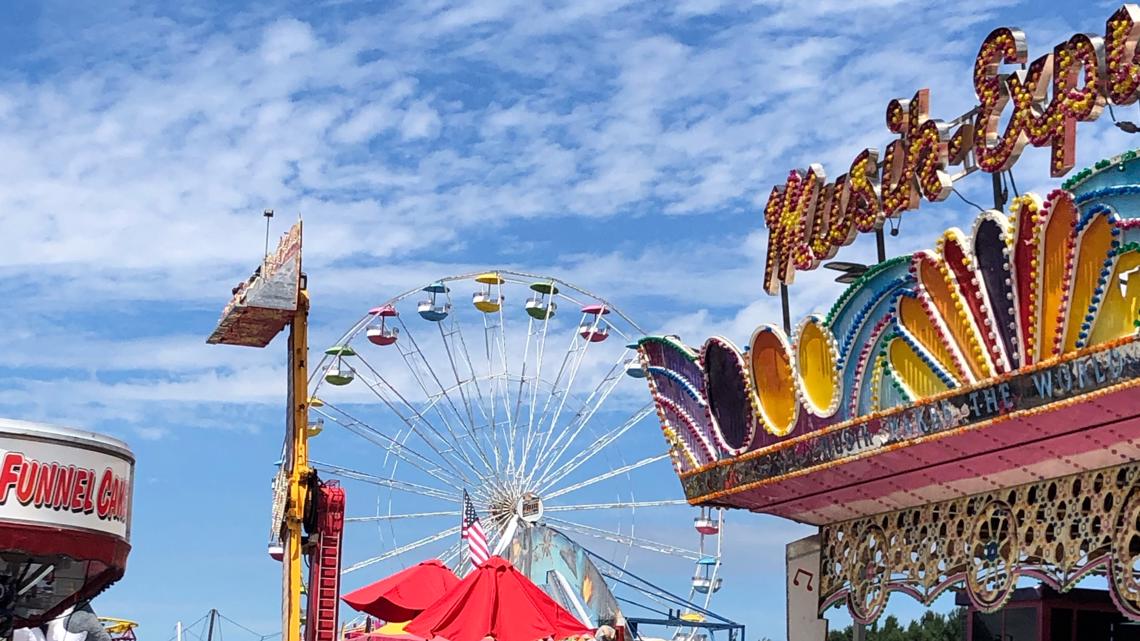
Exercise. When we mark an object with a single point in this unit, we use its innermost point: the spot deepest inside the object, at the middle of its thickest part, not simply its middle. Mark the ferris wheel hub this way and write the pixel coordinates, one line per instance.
(520, 504)
(529, 507)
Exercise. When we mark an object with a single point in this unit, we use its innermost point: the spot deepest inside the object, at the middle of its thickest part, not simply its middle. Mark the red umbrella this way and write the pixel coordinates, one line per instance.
(499, 601)
(404, 594)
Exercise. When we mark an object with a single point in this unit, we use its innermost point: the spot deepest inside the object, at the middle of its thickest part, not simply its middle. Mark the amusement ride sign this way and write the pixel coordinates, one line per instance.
(809, 219)
(967, 414)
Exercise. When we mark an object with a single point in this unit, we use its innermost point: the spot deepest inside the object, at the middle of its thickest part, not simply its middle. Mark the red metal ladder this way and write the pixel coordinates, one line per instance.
(324, 565)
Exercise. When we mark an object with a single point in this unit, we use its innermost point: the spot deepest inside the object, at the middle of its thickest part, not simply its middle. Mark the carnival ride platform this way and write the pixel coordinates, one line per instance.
(264, 304)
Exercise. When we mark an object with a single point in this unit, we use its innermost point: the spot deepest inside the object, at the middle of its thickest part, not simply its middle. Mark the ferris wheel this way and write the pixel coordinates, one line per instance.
(516, 389)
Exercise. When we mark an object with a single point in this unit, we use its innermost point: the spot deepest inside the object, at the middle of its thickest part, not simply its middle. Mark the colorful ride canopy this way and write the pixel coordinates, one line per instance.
(959, 368)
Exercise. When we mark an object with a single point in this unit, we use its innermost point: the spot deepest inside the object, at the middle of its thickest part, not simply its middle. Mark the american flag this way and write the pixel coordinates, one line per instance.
(472, 532)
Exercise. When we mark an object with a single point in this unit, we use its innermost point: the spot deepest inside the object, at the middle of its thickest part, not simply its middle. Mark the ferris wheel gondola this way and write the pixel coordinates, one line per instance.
(707, 579)
(528, 412)
(430, 309)
(339, 372)
(633, 367)
(489, 298)
(592, 328)
(380, 333)
(541, 305)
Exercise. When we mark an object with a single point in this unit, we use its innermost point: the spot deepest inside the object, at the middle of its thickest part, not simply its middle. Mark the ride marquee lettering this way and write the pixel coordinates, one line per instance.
(809, 218)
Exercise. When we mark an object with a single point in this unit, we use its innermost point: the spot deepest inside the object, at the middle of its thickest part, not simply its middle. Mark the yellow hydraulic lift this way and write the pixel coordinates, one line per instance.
(273, 298)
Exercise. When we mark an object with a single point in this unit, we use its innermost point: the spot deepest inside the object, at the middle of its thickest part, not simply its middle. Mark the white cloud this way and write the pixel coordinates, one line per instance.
(420, 121)
(151, 433)
(286, 39)
(367, 122)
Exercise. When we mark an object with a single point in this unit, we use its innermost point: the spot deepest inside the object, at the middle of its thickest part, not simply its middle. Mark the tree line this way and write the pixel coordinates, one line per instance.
(932, 626)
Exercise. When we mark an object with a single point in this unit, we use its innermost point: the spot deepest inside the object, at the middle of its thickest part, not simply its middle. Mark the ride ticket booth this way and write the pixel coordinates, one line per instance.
(1043, 614)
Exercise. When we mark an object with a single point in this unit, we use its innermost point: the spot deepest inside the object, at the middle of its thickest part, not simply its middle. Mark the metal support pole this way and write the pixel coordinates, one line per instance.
(784, 307)
(860, 632)
(881, 244)
(999, 192)
(210, 630)
(297, 462)
(268, 213)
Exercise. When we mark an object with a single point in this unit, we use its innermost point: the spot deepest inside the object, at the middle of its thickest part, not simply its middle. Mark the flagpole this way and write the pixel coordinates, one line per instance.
(467, 565)
(471, 531)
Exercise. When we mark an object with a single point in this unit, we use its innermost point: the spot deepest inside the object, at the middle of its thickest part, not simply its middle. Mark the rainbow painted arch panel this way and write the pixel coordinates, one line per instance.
(998, 357)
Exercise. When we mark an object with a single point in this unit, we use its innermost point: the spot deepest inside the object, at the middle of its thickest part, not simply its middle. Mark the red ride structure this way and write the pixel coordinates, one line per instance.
(324, 549)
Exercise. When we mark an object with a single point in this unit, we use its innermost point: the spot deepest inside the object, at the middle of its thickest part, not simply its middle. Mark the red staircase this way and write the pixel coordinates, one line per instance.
(324, 565)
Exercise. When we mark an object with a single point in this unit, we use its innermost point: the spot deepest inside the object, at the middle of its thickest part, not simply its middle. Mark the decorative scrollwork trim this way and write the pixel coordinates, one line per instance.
(1058, 531)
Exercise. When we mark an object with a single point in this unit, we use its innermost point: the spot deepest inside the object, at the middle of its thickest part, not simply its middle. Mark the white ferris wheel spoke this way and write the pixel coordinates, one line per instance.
(456, 463)
(403, 486)
(606, 476)
(556, 474)
(617, 505)
(540, 349)
(449, 556)
(509, 417)
(625, 539)
(484, 489)
(380, 381)
(452, 443)
(555, 391)
(499, 339)
(460, 380)
(396, 517)
(393, 446)
(413, 367)
(403, 549)
(553, 454)
(471, 373)
(414, 358)
(579, 346)
(489, 339)
(486, 400)
(513, 414)
(532, 428)
(458, 345)
(532, 387)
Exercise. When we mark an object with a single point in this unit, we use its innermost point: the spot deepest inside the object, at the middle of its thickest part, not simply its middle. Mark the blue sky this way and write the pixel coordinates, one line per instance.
(626, 147)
